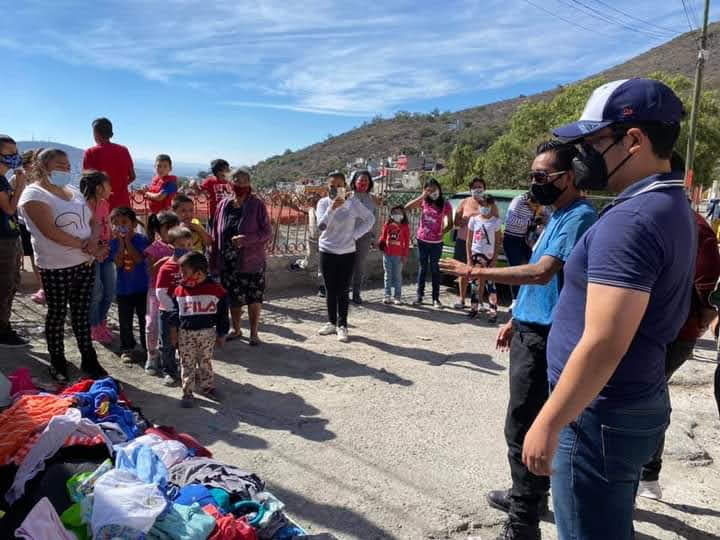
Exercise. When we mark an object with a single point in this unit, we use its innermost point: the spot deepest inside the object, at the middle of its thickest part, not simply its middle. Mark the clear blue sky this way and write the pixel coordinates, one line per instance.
(246, 80)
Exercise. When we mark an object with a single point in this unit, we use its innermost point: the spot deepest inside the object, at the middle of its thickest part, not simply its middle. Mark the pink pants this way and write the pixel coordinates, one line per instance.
(151, 321)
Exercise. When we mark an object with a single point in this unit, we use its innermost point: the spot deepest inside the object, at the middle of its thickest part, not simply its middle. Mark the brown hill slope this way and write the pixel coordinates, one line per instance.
(479, 126)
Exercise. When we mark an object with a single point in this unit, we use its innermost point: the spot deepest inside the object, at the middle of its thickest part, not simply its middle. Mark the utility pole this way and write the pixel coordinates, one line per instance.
(702, 57)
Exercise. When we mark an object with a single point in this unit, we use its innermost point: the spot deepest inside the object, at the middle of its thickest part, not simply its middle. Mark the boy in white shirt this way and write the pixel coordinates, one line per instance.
(483, 241)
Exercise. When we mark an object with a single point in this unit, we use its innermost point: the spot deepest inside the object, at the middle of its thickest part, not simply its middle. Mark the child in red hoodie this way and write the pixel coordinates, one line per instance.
(395, 244)
(163, 187)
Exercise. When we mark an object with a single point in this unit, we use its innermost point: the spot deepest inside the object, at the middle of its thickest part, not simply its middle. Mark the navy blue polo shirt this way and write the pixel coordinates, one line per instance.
(535, 303)
(646, 241)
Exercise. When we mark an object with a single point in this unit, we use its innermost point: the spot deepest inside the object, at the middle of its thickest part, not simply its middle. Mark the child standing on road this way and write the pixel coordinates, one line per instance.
(184, 208)
(127, 250)
(163, 187)
(95, 187)
(168, 278)
(395, 245)
(159, 251)
(203, 318)
(483, 241)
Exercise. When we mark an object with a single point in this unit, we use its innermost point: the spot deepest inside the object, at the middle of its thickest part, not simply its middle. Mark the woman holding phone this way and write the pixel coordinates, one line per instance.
(340, 222)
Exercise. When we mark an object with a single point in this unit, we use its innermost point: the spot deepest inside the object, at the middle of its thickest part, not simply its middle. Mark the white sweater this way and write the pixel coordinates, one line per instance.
(341, 227)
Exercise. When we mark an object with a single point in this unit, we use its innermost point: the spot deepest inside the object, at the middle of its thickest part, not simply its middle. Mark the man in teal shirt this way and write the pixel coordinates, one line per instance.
(552, 183)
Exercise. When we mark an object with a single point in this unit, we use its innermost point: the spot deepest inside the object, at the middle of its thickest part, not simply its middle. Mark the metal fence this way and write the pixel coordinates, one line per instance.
(290, 215)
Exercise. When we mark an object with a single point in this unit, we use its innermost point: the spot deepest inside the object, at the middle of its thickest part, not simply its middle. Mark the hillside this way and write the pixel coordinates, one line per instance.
(437, 133)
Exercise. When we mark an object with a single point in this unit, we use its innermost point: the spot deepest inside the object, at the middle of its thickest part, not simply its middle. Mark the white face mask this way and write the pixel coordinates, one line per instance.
(485, 211)
(434, 195)
(477, 193)
(397, 217)
(60, 178)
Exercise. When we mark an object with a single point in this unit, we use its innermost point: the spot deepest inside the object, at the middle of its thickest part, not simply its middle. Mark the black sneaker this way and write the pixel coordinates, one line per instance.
(321, 291)
(472, 313)
(357, 300)
(11, 340)
(515, 530)
(500, 500)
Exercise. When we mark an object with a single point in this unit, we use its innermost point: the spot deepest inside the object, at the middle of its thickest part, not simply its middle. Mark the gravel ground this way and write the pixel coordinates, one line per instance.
(398, 434)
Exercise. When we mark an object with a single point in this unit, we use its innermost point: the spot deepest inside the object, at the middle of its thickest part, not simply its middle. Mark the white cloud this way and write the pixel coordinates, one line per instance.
(349, 58)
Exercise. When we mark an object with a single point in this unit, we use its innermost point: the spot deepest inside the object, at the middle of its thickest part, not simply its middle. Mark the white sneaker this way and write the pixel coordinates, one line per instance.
(386, 300)
(650, 490)
(398, 301)
(326, 330)
(342, 334)
(437, 304)
(459, 305)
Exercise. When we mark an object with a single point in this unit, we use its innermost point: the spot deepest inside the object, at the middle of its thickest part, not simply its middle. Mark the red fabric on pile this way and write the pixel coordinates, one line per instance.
(170, 433)
(80, 386)
(228, 527)
(27, 416)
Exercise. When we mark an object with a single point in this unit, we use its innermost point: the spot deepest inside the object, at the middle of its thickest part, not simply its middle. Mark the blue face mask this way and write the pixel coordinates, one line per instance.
(12, 161)
(60, 178)
(179, 252)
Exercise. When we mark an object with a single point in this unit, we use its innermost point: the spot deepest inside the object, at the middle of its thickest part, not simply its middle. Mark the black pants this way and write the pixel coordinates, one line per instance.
(528, 393)
(518, 253)
(129, 305)
(337, 271)
(71, 286)
(10, 257)
(676, 355)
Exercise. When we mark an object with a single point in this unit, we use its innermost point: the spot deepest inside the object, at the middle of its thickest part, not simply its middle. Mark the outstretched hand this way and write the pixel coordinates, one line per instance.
(454, 267)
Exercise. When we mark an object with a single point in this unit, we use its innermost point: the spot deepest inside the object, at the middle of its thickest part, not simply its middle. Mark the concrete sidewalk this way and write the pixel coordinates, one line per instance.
(398, 434)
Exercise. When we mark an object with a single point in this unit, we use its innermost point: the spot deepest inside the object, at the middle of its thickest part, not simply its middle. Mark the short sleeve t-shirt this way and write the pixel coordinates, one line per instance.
(162, 184)
(535, 304)
(132, 281)
(8, 222)
(168, 277)
(483, 235)
(217, 190)
(646, 241)
(72, 217)
(115, 161)
(432, 220)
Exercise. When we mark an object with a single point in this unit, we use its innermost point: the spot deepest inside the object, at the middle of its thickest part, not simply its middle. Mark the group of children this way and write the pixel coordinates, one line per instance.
(158, 273)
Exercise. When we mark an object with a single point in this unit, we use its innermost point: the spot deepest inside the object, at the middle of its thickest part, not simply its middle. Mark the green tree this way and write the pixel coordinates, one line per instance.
(460, 166)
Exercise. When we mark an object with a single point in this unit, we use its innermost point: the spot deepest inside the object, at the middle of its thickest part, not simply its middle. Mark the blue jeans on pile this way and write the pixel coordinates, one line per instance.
(393, 265)
(429, 256)
(597, 467)
(103, 292)
(168, 362)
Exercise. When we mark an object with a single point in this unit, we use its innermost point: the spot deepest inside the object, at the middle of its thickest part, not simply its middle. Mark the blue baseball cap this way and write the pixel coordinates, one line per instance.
(625, 101)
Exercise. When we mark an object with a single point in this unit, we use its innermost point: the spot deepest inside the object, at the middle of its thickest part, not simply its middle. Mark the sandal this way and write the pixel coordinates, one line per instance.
(233, 335)
(254, 341)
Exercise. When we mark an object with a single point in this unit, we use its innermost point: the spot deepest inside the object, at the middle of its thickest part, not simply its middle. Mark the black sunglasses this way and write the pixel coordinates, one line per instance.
(542, 177)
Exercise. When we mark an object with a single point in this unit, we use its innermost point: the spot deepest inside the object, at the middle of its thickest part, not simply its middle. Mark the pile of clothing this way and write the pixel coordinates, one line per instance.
(86, 464)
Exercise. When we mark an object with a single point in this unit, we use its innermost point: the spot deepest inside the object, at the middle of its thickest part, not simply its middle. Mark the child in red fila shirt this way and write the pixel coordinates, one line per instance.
(202, 308)
(395, 244)
(168, 278)
(163, 187)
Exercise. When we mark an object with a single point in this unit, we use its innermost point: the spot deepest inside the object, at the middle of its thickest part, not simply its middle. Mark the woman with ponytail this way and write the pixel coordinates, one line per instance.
(61, 225)
(95, 187)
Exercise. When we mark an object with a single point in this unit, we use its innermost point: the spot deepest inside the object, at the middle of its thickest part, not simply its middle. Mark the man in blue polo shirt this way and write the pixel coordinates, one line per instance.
(626, 295)
(552, 183)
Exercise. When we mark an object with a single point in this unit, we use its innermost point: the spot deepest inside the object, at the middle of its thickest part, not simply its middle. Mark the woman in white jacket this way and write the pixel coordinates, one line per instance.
(341, 222)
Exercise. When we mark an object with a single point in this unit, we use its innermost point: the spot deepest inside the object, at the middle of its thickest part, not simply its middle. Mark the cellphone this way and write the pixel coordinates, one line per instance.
(340, 193)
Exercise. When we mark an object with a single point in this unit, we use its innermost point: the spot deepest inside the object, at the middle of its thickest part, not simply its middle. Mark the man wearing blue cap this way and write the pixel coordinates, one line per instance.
(625, 296)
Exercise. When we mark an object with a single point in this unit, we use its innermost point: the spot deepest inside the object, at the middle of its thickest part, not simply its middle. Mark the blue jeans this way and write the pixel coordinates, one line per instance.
(393, 265)
(597, 467)
(103, 292)
(429, 255)
(168, 362)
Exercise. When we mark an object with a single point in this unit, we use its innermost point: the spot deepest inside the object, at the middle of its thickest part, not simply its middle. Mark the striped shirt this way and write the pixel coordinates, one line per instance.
(519, 216)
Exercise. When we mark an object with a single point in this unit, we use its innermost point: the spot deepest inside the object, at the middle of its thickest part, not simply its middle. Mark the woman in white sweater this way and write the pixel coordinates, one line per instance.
(341, 222)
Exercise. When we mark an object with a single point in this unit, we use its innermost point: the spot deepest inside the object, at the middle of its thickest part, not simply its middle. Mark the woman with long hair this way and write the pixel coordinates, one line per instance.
(435, 221)
(61, 225)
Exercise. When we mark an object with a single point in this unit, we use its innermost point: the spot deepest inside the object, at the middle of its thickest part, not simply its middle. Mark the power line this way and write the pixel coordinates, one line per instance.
(555, 15)
(663, 28)
(589, 10)
(687, 15)
(696, 19)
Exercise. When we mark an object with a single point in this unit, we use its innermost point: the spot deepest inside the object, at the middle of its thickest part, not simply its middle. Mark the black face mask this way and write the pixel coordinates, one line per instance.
(546, 194)
(590, 168)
